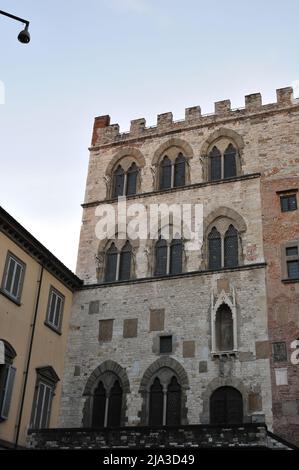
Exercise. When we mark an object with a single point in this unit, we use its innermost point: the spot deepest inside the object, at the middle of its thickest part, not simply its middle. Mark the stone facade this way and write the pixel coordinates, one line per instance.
(140, 310)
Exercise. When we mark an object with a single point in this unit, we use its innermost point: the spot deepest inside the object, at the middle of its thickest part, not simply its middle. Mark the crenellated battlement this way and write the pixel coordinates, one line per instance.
(105, 133)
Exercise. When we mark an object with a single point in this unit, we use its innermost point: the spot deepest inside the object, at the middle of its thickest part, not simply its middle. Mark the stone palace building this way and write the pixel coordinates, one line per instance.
(162, 335)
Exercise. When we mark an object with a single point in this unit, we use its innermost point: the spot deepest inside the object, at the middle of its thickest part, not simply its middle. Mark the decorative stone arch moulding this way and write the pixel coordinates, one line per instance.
(146, 381)
(151, 242)
(224, 133)
(229, 216)
(225, 212)
(100, 257)
(182, 145)
(92, 382)
(223, 382)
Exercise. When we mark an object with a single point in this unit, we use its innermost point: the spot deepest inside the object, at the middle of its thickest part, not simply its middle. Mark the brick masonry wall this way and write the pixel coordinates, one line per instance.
(283, 303)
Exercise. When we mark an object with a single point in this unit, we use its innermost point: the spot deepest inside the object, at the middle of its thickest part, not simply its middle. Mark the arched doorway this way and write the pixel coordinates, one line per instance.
(226, 406)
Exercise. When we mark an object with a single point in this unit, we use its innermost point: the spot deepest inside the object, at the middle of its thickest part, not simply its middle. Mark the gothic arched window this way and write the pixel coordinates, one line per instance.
(125, 262)
(156, 404)
(214, 241)
(99, 406)
(222, 161)
(118, 182)
(165, 173)
(179, 170)
(231, 247)
(161, 257)
(132, 175)
(115, 403)
(224, 329)
(173, 409)
(118, 263)
(223, 248)
(111, 263)
(107, 402)
(230, 166)
(168, 257)
(215, 164)
(165, 402)
(176, 256)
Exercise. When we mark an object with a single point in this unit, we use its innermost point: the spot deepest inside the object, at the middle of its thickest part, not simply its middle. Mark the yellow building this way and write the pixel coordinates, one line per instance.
(35, 301)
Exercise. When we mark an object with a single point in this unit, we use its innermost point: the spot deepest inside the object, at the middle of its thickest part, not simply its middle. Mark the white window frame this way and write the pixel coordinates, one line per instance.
(46, 387)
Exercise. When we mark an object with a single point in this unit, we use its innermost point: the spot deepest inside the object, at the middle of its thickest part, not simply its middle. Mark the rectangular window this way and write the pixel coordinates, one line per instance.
(293, 269)
(7, 378)
(288, 203)
(292, 261)
(279, 352)
(165, 344)
(55, 309)
(42, 405)
(13, 277)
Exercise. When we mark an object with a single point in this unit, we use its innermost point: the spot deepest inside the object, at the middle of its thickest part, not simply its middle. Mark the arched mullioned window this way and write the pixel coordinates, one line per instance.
(156, 404)
(165, 402)
(231, 247)
(161, 257)
(125, 182)
(214, 241)
(125, 262)
(223, 248)
(168, 257)
(111, 263)
(179, 170)
(176, 256)
(107, 402)
(230, 164)
(118, 264)
(118, 182)
(173, 171)
(165, 173)
(224, 329)
(132, 175)
(222, 162)
(215, 164)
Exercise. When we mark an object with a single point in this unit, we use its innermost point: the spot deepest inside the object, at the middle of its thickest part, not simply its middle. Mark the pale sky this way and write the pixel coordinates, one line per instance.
(129, 59)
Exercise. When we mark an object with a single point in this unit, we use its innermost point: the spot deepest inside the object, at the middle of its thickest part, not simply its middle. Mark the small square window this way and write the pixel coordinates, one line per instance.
(288, 203)
(292, 251)
(293, 269)
(165, 344)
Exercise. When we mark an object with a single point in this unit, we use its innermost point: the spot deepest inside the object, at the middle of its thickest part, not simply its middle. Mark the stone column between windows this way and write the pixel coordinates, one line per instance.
(117, 266)
(172, 176)
(106, 411)
(168, 259)
(164, 404)
(125, 185)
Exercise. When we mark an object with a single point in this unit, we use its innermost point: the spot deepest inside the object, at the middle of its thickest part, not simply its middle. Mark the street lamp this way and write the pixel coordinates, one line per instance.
(24, 36)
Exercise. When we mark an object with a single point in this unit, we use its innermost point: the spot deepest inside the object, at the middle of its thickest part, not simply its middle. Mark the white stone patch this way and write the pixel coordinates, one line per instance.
(281, 376)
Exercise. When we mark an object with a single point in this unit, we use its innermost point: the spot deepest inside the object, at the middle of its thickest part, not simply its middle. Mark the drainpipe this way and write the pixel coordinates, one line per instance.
(26, 372)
